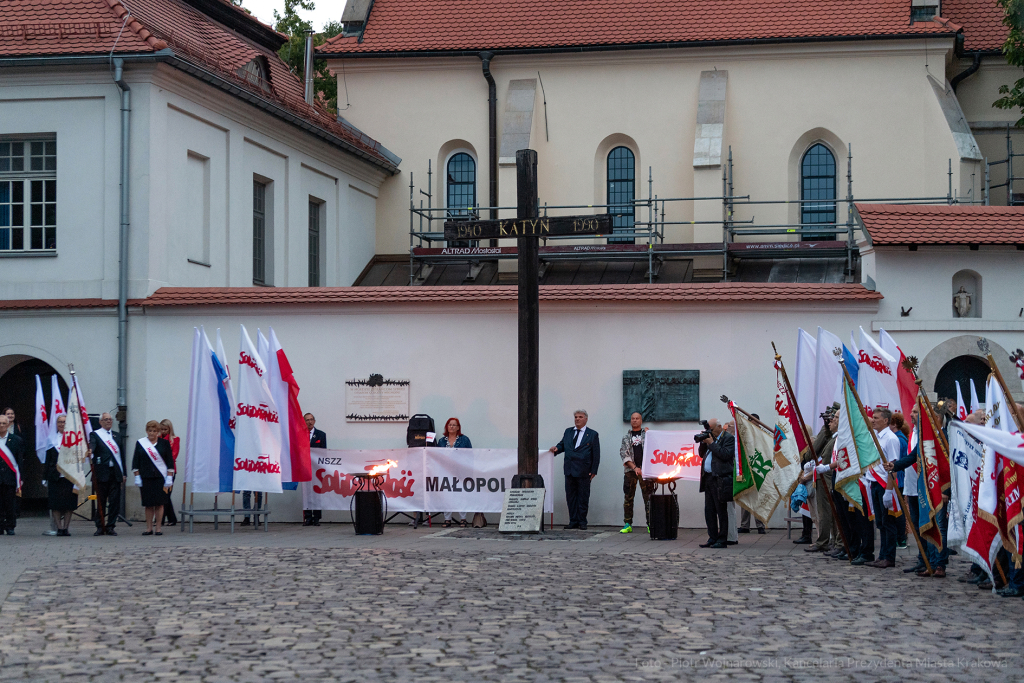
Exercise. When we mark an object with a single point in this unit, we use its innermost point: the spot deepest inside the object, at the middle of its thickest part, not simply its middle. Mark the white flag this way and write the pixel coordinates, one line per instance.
(56, 410)
(42, 425)
(257, 425)
(876, 375)
(965, 463)
(828, 382)
(806, 376)
(961, 410)
(975, 403)
(73, 459)
(209, 442)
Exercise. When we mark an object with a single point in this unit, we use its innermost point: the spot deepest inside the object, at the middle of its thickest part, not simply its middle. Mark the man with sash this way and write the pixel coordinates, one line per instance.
(107, 475)
(10, 475)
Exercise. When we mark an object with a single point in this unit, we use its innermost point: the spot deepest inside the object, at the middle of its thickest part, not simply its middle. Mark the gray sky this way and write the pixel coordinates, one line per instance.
(325, 11)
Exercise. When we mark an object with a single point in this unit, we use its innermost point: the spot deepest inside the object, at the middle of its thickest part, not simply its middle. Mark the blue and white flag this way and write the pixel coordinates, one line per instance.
(209, 440)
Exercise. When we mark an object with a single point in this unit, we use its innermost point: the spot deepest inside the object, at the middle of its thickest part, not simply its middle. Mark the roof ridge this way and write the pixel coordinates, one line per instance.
(121, 11)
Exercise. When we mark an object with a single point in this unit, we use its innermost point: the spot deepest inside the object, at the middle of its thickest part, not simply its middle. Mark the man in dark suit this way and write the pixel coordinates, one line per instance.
(716, 473)
(582, 450)
(107, 475)
(317, 439)
(10, 477)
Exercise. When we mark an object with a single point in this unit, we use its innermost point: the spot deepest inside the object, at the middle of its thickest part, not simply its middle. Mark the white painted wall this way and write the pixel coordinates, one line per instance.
(173, 212)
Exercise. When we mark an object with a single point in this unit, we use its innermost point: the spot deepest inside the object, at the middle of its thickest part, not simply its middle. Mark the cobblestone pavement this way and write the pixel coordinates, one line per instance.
(426, 605)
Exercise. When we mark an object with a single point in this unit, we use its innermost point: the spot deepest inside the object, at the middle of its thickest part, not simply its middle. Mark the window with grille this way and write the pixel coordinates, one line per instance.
(28, 194)
(621, 191)
(314, 244)
(461, 185)
(817, 187)
(259, 233)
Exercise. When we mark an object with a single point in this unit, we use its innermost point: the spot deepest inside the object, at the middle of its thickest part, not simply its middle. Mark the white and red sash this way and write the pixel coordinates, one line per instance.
(154, 455)
(8, 457)
(108, 439)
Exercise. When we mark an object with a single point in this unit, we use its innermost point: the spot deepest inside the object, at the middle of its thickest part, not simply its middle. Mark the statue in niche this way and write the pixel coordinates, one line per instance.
(962, 302)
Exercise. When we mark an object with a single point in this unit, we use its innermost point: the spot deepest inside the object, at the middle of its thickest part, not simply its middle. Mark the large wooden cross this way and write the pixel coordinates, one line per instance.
(527, 228)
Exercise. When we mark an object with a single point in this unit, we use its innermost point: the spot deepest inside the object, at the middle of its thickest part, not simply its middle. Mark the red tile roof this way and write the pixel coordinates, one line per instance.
(956, 224)
(982, 21)
(450, 25)
(29, 304)
(30, 28)
(672, 293)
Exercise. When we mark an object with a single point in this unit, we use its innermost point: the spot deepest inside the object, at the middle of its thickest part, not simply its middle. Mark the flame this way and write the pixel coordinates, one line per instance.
(672, 474)
(378, 470)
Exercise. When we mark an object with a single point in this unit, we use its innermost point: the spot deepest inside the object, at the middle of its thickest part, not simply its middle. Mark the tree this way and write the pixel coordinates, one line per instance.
(1013, 49)
(293, 52)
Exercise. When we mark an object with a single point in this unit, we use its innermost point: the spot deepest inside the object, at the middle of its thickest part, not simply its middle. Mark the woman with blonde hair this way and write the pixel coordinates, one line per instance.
(153, 467)
(167, 434)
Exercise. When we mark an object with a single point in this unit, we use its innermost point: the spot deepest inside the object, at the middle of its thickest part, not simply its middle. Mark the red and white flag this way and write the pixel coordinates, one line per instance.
(257, 425)
(73, 459)
(975, 403)
(56, 410)
(86, 422)
(876, 376)
(42, 424)
(905, 382)
(962, 411)
(295, 462)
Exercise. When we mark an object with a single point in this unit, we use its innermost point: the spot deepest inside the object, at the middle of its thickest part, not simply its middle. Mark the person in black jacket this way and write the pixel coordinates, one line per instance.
(11, 447)
(582, 449)
(107, 475)
(716, 473)
(317, 439)
(61, 493)
(153, 467)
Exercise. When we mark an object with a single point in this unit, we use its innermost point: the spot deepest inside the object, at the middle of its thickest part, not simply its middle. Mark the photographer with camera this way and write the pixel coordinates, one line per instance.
(717, 450)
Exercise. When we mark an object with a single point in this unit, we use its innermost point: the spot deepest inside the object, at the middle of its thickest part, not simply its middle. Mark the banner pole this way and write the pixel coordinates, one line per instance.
(810, 445)
(184, 487)
(892, 480)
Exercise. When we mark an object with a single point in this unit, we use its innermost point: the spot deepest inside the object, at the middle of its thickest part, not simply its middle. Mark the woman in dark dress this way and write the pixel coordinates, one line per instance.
(454, 438)
(153, 467)
(63, 498)
(167, 434)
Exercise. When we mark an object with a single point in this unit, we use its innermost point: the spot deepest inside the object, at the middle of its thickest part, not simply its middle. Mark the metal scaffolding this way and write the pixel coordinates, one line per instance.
(427, 246)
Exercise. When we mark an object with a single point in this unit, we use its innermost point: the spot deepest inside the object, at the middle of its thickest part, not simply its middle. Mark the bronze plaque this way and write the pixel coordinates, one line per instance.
(661, 395)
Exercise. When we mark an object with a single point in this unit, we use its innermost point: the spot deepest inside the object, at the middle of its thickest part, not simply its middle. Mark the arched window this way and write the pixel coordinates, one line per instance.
(818, 184)
(621, 191)
(461, 181)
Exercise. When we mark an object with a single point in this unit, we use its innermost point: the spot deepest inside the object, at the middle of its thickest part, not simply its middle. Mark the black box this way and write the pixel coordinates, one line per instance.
(664, 517)
(369, 513)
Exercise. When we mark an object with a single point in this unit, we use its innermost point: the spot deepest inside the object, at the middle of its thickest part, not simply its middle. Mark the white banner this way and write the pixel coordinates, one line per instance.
(423, 479)
(257, 426)
(671, 453)
(965, 459)
(876, 375)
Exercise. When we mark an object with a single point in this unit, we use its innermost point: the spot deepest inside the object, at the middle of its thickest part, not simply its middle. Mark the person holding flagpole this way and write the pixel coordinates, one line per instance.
(153, 467)
(61, 494)
(885, 522)
(107, 475)
(11, 447)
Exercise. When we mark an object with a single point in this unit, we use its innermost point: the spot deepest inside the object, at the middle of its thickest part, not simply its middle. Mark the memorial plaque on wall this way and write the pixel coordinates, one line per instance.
(377, 400)
(661, 395)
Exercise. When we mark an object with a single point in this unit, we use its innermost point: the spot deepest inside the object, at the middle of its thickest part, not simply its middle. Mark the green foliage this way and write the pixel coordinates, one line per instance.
(294, 51)
(1013, 49)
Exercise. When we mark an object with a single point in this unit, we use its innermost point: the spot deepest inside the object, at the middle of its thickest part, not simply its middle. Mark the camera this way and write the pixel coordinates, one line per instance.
(706, 434)
(830, 412)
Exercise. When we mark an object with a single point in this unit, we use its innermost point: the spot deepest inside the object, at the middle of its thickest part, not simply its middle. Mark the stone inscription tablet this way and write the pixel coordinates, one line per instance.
(522, 511)
(661, 395)
(377, 400)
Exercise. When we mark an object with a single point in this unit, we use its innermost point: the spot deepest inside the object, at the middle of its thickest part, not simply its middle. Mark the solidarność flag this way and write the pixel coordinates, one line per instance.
(257, 425)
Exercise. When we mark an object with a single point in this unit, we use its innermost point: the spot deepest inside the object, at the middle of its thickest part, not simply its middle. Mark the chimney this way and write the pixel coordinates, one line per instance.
(309, 66)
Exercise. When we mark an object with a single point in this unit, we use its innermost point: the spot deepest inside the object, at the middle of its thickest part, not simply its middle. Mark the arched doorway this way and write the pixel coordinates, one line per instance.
(962, 369)
(18, 391)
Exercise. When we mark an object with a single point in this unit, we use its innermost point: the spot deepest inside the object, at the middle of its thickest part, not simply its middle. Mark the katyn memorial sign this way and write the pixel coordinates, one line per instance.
(527, 228)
